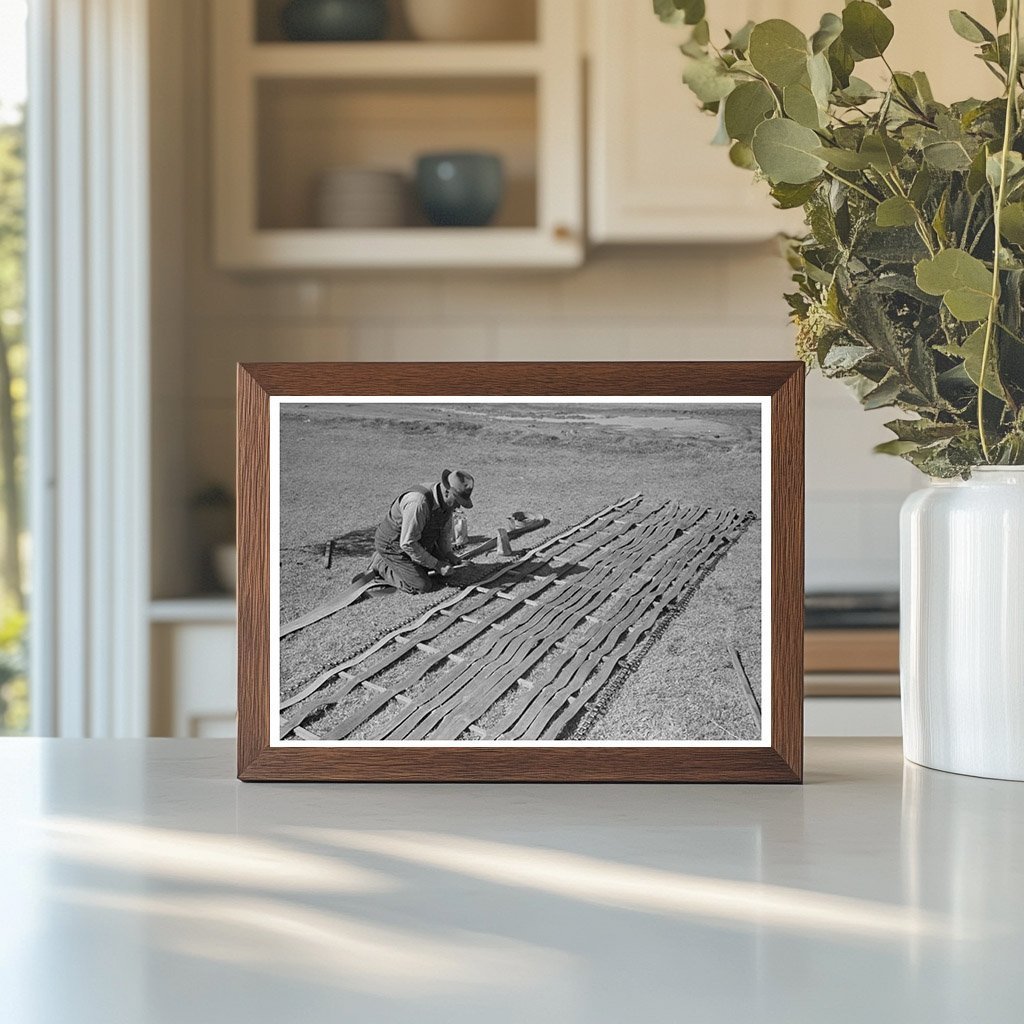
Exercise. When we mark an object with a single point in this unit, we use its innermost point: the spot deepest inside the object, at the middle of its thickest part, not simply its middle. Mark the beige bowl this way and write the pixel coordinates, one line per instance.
(357, 197)
(471, 20)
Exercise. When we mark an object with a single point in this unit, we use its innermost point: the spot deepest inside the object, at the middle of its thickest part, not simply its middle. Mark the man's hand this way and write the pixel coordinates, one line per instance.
(444, 568)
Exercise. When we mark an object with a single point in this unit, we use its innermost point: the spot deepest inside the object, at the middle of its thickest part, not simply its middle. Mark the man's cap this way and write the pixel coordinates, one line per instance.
(460, 484)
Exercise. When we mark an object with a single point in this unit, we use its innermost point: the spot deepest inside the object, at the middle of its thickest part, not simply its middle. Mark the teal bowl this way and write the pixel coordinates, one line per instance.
(460, 190)
(334, 21)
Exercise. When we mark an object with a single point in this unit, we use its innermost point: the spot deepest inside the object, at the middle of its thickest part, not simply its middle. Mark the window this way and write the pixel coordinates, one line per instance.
(14, 693)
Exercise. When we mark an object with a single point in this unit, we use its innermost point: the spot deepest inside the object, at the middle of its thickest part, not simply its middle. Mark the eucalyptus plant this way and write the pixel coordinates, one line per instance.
(909, 280)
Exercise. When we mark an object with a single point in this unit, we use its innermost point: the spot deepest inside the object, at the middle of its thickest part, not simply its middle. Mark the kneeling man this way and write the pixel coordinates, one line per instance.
(416, 534)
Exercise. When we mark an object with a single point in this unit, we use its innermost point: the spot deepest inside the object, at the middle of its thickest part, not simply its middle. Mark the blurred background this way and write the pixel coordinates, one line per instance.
(246, 180)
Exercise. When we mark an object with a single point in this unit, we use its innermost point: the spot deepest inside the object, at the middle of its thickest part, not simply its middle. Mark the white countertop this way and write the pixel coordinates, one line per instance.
(143, 885)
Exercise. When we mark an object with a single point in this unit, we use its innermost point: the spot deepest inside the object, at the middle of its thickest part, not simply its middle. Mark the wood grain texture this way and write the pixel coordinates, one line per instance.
(781, 762)
(852, 650)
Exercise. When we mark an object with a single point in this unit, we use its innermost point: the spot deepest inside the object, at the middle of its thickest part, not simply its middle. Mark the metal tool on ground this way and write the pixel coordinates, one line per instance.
(743, 683)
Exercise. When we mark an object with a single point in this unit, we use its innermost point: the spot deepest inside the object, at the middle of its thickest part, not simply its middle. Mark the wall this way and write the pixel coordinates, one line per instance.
(652, 303)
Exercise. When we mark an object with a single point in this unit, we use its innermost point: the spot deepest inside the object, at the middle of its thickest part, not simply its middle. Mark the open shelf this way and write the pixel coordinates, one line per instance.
(286, 114)
(308, 127)
(520, 15)
(393, 60)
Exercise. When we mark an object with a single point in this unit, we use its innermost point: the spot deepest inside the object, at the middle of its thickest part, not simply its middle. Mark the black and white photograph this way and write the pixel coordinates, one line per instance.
(554, 571)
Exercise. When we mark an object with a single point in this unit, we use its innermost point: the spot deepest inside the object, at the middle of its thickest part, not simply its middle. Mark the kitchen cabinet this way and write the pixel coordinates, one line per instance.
(286, 113)
(653, 175)
(192, 648)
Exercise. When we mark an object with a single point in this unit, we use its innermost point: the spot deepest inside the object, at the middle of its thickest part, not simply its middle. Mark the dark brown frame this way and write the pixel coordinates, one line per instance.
(780, 762)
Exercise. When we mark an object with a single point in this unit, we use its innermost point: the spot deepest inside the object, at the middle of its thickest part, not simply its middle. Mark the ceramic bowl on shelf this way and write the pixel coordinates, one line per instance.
(471, 20)
(334, 21)
(460, 189)
(361, 198)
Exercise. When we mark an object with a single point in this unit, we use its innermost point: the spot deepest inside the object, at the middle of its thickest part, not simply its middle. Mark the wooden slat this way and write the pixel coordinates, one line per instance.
(852, 650)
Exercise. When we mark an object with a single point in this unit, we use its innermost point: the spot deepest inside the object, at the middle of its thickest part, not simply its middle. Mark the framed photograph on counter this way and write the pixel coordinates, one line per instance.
(520, 571)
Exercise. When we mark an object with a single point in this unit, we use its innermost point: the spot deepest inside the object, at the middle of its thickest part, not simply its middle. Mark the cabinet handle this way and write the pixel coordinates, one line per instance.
(563, 232)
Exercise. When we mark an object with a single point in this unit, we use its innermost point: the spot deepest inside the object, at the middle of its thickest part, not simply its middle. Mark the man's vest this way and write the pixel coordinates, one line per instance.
(389, 532)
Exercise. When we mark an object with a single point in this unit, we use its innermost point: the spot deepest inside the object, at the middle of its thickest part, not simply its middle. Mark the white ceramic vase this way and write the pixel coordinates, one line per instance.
(962, 624)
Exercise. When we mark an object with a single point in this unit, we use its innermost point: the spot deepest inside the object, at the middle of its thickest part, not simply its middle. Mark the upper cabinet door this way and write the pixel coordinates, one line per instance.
(302, 130)
(654, 175)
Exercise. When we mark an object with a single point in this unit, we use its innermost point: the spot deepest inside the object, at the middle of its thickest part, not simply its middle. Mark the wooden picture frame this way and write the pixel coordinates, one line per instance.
(778, 759)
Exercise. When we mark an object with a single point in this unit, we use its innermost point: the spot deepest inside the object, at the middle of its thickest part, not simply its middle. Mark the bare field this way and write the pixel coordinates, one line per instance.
(343, 464)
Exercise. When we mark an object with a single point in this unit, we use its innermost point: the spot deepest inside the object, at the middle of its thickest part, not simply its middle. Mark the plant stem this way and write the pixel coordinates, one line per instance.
(922, 225)
(854, 186)
(993, 309)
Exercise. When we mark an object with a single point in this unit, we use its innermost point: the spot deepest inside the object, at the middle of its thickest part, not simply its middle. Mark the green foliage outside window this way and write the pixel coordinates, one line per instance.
(13, 411)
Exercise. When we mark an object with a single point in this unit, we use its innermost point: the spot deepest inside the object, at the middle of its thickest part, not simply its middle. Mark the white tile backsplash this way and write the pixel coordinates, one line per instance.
(718, 302)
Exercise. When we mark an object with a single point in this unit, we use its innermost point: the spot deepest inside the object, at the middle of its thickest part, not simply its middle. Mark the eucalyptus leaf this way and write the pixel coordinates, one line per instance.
(858, 91)
(923, 431)
(844, 159)
(785, 152)
(1014, 169)
(841, 60)
(947, 156)
(866, 29)
(741, 155)
(708, 81)
(976, 172)
(963, 281)
(721, 136)
(829, 30)
(924, 87)
(675, 12)
(779, 51)
(819, 75)
(1012, 223)
(939, 220)
(885, 394)
(789, 197)
(969, 28)
(883, 153)
(895, 212)
(921, 185)
(739, 41)
(907, 89)
(745, 108)
(895, 447)
(972, 353)
(800, 105)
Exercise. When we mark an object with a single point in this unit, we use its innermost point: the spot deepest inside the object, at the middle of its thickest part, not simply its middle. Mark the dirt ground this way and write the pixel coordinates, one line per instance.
(343, 464)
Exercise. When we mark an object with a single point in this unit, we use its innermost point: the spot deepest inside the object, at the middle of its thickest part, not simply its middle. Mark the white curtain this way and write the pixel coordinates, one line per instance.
(88, 318)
